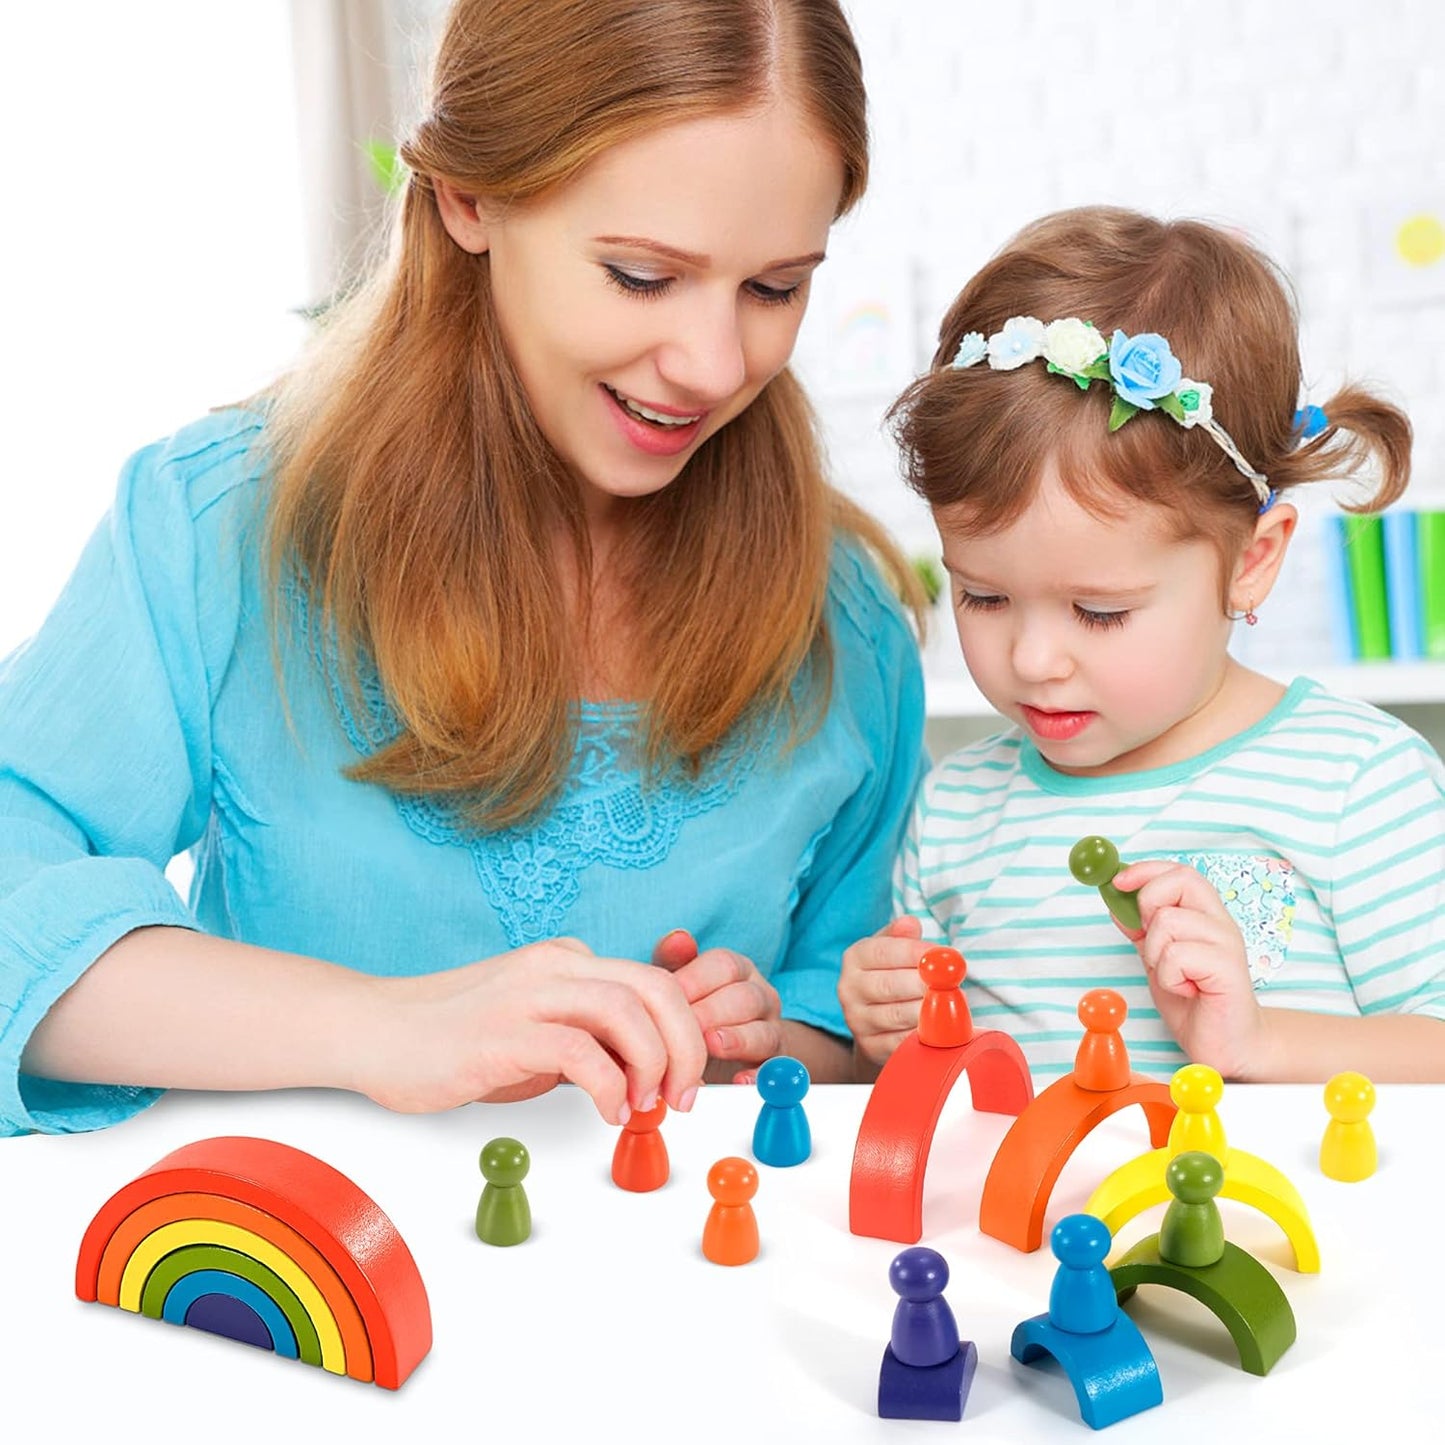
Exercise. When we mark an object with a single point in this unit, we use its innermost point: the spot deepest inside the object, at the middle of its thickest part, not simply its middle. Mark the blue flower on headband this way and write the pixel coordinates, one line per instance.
(1310, 421)
(1143, 368)
(973, 348)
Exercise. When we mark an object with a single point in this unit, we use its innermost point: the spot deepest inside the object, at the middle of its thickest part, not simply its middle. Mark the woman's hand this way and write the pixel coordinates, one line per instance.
(514, 1026)
(738, 1010)
(1198, 972)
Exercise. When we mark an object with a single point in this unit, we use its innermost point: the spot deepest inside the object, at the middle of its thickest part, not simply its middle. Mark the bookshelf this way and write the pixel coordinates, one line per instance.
(951, 694)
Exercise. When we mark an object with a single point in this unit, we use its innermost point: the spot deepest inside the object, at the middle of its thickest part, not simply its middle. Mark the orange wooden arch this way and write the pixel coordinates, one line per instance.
(1040, 1141)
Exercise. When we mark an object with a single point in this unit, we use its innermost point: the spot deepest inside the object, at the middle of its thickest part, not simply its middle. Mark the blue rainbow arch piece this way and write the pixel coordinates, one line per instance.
(206, 1283)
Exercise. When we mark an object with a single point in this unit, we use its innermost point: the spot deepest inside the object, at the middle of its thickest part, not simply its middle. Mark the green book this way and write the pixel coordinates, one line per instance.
(1430, 541)
(1369, 602)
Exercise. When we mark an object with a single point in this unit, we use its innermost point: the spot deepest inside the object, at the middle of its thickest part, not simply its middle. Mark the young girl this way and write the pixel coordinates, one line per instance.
(514, 628)
(1108, 440)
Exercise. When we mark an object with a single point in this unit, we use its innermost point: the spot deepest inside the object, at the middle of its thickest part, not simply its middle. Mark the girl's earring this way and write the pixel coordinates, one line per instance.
(1249, 617)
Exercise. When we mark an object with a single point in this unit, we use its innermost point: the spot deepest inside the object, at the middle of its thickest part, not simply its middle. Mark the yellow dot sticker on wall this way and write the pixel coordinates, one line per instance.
(1421, 241)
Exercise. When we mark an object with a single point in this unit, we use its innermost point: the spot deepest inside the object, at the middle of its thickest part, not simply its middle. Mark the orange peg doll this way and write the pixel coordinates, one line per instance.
(944, 1021)
(731, 1233)
(1102, 1061)
(639, 1162)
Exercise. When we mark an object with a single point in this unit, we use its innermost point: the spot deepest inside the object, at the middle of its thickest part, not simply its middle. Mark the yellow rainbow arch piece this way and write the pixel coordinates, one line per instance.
(169, 1237)
(263, 1243)
(1139, 1184)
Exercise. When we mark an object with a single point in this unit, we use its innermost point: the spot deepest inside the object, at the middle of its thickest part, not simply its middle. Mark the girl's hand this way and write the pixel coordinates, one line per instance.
(738, 1010)
(514, 1026)
(1194, 957)
(880, 989)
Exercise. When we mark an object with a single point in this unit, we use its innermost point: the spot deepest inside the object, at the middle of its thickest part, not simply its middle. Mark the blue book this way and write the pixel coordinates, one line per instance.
(1402, 584)
(1342, 614)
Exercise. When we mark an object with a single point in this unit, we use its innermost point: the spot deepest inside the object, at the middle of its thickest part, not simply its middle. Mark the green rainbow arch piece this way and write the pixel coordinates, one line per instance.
(1237, 1288)
(175, 1266)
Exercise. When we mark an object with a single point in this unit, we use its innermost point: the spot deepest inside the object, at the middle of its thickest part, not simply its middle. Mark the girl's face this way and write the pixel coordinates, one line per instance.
(1103, 639)
(647, 302)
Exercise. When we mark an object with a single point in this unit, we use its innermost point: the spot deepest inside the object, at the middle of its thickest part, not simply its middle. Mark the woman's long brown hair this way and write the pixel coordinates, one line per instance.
(415, 500)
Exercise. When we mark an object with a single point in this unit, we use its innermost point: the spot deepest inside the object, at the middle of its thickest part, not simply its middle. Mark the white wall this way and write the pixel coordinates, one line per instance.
(151, 253)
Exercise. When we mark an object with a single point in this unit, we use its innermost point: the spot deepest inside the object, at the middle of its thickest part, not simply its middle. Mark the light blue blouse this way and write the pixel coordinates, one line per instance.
(145, 719)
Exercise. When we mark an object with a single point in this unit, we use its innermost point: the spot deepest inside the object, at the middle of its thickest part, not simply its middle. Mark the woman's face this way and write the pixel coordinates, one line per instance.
(649, 300)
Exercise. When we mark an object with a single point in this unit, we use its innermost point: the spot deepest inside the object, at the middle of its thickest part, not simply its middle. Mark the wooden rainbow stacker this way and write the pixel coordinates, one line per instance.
(268, 1245)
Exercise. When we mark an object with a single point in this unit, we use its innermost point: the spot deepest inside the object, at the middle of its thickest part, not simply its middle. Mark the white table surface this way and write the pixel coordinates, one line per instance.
(608, 1324)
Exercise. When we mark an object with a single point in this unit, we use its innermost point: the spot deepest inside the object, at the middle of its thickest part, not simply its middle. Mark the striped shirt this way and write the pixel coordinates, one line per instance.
(1322, 827)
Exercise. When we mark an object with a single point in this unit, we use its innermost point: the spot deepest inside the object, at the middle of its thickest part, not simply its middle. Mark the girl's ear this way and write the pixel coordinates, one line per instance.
(1259, 563)
(462, 216)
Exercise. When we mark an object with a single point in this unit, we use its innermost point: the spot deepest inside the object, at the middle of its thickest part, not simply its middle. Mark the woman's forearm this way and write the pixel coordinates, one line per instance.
(171, 1008)
(1387, 1048)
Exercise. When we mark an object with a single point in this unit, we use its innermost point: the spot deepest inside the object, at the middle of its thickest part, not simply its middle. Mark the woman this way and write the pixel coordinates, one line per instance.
(514, 628)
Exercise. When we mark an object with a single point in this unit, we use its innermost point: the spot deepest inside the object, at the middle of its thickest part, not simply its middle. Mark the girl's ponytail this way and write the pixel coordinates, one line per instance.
(1363, 434)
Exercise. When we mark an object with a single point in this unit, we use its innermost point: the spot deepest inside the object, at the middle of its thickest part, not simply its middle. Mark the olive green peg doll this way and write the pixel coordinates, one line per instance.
(1192, 1232)
(503, 1214)
(1095, 861)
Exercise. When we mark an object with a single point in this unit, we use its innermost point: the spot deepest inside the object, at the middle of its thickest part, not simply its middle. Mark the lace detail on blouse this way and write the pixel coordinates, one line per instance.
(606, 813)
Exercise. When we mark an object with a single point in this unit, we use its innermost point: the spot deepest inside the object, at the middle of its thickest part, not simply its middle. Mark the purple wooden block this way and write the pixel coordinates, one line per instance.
(926, 1392)
(222, 1314)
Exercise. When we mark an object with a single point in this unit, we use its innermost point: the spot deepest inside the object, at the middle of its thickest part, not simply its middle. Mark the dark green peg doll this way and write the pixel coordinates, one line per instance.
(1193, 1233)
(503, 1214)
(1095, 861)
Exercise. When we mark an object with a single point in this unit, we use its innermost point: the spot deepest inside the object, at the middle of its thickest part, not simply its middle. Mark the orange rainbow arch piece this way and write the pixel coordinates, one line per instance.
(266, 1244)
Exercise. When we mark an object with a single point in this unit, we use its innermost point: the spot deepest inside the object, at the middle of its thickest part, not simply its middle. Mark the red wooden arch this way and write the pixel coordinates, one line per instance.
(885, 1189)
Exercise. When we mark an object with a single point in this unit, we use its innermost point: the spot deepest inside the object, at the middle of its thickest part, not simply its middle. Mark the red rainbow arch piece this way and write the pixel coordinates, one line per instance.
(264, 1243)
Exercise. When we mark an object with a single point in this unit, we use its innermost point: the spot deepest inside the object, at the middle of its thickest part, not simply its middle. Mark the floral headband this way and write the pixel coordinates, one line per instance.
(1142, 371)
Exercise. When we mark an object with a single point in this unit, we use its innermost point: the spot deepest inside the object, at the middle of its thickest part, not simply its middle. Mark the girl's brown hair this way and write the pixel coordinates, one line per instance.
(415, 498)
(975, 440)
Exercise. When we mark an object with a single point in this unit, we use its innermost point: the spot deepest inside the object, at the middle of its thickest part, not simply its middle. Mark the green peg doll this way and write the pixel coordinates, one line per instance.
(1095, 861)
(503, 1214)
(1193, 1233)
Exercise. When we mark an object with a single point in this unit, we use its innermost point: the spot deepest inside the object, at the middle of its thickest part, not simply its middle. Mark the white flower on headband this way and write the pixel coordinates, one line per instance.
(1020, 341)
(1072, 346)
(1196, 402)
(973, 348)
